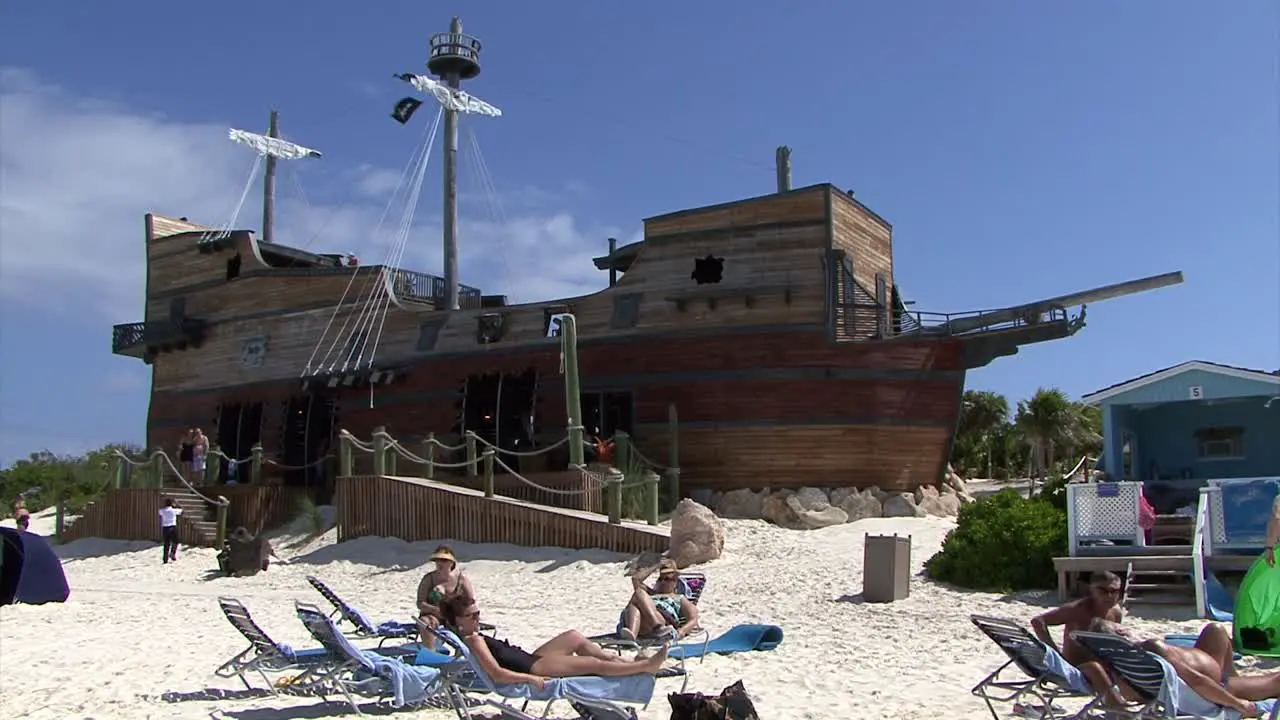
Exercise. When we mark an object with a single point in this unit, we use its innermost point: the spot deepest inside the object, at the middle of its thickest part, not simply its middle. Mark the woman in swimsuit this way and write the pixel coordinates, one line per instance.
(660, 611)
(186, 450)
(568, 654)
(444, 580)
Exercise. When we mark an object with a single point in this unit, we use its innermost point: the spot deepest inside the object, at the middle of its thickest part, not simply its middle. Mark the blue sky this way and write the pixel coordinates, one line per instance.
(1021, 150)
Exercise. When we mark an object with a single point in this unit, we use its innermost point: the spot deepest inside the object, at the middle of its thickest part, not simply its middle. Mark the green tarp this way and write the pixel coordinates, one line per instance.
(1257, 611)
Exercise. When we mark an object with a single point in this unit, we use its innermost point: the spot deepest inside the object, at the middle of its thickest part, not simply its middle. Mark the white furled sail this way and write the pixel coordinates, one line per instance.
(275, 147)
(449, 98)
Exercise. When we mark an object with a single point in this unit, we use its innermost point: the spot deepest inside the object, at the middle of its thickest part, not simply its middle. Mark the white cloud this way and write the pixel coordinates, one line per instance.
(78, 174)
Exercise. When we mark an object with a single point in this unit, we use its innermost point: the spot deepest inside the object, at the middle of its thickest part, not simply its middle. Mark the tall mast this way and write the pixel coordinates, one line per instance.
(269, 183)
(454, 57)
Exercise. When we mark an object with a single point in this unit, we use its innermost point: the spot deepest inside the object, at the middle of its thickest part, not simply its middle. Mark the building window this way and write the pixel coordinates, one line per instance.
(1220, 443)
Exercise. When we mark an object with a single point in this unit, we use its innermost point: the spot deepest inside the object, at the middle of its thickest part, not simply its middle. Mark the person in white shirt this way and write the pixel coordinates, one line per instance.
(169, 529)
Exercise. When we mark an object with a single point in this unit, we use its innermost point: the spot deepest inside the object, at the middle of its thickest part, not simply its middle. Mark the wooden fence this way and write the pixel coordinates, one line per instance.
(131, 513)
(413, 509)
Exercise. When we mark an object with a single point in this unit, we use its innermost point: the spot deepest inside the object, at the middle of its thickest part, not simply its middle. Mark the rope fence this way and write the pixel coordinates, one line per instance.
(485, 461)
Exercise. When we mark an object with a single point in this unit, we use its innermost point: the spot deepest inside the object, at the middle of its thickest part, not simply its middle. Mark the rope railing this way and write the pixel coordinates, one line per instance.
(160, 462)
(484, 460)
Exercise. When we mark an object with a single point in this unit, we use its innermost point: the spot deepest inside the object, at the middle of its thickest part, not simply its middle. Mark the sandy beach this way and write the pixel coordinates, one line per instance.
(135, 629)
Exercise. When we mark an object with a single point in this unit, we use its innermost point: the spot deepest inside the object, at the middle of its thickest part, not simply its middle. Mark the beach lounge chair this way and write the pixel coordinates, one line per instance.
(1047, 676)
(361, 625)
(384, 674)
(1163, 694)
(599, 698)
(265, 655)
(691, 585)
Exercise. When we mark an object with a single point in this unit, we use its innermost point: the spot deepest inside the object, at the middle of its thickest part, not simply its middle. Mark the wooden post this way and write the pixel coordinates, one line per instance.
(223, 506)
(471, 454)
(60, 518)
(345, 460)
(392, 460)
(651, 497)
(572, 390)
(488, 472)
(214, 466)
(429, 454)
(379, 450)
(622, 450)
(613, 495)
(158, 467)
(255, 465)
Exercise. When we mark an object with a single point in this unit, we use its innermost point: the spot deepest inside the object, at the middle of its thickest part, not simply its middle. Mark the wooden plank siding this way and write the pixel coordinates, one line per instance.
(743, 386)
(415, 510)
(132, 513)
(866, 237)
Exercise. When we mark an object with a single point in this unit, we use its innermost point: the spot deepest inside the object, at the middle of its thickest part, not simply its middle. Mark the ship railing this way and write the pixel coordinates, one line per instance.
(485, 461)
(862, 321)
(156, 332)
(423, 287)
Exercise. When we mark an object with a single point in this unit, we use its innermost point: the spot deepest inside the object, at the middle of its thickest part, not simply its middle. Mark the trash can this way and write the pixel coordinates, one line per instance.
(886, 568)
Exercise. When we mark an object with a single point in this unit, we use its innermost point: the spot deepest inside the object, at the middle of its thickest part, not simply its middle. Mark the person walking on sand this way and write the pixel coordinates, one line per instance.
(169, 530)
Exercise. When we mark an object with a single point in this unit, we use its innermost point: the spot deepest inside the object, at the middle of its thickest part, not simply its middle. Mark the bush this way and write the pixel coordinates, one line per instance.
(1004, 543)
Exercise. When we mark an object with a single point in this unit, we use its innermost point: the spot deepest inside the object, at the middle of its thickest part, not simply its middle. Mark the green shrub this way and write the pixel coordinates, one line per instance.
(1004, 543)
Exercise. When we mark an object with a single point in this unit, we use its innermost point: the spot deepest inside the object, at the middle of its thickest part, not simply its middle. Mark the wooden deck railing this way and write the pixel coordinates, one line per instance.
(414, 509)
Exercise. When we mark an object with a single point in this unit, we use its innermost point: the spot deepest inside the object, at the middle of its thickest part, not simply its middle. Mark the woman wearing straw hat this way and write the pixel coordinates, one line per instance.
(443, 581)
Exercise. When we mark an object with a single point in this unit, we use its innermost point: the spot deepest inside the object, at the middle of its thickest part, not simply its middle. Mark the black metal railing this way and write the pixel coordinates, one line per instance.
(859, 321)
(131, 338)
(423, 287)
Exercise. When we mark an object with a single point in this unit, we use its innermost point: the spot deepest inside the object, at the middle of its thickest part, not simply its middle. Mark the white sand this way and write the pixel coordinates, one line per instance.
(134, 628)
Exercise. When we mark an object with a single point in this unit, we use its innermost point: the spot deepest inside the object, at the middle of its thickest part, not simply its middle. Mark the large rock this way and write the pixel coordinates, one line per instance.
(901, 505)
(785, 509)
(746, 504)
(812, 499)
(945, 504)
(697, 535)
(859, 505)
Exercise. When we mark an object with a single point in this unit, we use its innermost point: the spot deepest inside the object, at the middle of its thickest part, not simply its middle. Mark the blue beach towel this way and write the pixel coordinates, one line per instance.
(740, 638)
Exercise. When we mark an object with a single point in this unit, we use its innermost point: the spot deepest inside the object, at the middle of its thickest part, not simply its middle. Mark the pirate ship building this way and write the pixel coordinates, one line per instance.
(775, 326)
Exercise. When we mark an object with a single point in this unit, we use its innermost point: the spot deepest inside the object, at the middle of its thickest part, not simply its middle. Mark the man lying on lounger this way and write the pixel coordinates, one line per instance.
(1102, 603)
(1208, 668)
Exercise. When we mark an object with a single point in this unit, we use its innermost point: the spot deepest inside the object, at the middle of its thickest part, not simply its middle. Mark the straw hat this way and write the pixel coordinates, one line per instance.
(444, 554)
(668, 567)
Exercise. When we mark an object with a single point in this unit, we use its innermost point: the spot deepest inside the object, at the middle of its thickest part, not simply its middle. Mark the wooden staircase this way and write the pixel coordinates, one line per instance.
(195, 513)
(1160, 587)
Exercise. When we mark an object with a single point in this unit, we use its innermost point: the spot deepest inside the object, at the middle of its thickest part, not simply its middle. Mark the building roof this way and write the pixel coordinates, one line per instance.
(1154, 377)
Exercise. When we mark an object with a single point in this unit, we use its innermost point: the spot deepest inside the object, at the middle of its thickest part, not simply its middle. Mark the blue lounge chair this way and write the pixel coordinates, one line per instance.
(361, 625)
(601, 698)
(1046, 675)
(383, 674)
(265, 655)
(1163, 695)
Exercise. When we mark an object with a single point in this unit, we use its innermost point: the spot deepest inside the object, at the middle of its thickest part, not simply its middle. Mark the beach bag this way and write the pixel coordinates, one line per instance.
(731, 704)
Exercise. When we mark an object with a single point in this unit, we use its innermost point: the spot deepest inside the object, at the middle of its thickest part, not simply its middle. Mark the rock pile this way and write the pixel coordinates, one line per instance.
(811, 507)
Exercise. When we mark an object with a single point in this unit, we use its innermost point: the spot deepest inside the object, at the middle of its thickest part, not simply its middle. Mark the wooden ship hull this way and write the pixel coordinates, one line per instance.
(773, 326)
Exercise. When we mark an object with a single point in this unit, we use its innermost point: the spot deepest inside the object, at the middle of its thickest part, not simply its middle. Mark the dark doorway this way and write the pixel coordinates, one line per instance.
(499, 407)
(239, 429)
(307, 438)
(605, 413)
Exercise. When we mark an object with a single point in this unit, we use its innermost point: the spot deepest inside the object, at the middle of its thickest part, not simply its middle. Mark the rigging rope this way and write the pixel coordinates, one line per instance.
(312, 366)
(497, 215)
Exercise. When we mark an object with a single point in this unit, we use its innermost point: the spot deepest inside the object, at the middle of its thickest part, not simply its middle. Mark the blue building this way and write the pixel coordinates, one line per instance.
(1176, 428)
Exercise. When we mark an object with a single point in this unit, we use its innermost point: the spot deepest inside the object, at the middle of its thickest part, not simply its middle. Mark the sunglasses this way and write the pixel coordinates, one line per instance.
(1107, 590)
(668, 578)
(471, 615)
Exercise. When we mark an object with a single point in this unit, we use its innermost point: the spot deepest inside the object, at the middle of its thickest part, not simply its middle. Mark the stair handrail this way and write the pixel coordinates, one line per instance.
(161, 453)
(1198, 551)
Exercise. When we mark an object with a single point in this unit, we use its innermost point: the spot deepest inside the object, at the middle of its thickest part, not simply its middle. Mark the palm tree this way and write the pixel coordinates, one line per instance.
(1048, 421)
(982, 415)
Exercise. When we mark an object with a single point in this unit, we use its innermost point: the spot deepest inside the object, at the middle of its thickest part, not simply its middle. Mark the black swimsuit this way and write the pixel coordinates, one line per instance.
(185, 452)
(510, 657)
